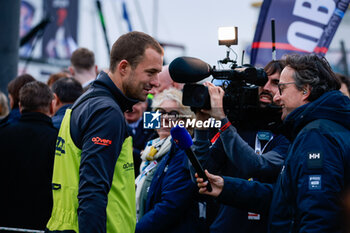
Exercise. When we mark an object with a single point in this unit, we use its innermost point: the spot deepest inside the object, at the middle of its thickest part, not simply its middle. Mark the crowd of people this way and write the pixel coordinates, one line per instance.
(76, 156)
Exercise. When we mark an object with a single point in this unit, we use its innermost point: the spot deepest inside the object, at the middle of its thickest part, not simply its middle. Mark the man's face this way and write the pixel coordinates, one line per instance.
(267, 92)
(344, 89)
(165, 80)
(291, 97)
(144, 77)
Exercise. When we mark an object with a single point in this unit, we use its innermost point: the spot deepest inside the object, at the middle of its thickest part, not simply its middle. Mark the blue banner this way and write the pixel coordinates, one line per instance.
(126, 16)
(301, 26)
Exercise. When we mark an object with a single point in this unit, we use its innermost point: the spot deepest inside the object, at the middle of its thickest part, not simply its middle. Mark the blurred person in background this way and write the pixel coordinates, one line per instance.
(166, 82)
(66, 92)
(83, 67)
(140, 135)
(165, 194)
(26, 161)
(4, 106)
(56, 76)
(13, 88)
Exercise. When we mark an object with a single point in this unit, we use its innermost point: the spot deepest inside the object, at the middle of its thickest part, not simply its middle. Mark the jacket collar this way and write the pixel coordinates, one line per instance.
(35, 116)
(124, 102)
(63, 109)
(331, 105)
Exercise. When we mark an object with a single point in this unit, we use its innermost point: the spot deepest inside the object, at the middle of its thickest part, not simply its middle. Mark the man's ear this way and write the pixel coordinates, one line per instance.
(71, 70)
(52, 107)
(306, 92)
(123, 67)
(56, 101)
(11, 101)
(96, 70)
(20, 107)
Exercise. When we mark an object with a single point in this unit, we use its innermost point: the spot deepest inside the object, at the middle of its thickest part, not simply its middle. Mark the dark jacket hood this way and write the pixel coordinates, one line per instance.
(332, 106)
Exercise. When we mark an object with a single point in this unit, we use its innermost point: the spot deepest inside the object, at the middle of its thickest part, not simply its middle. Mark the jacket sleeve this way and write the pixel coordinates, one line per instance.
(101, 145)
(176, 194)
(247, 195)
(211, 157)
(316, 170)
(244, 157)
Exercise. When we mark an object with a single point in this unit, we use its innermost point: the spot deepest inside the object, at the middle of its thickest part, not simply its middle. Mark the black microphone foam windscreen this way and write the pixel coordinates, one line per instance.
(188, 70)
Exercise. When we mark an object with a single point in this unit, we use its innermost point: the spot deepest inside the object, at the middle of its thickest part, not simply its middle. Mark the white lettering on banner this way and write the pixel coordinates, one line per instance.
(316, 10)
(311, 35)
(303, 35)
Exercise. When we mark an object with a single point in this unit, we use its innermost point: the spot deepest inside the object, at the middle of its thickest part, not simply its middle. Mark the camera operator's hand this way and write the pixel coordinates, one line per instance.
(202, 117)
(216, 101)
(216, 182)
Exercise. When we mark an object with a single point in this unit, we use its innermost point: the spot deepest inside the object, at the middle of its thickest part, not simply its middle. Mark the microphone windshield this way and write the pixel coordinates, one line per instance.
(181, 137)
(188, 70)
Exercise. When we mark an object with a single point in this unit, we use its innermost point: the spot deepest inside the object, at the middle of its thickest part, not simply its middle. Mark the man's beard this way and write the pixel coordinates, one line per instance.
(263, 104)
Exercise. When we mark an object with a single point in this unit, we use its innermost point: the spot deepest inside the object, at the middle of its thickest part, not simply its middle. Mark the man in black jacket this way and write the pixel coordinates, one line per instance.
(252, 148)
(26, 161)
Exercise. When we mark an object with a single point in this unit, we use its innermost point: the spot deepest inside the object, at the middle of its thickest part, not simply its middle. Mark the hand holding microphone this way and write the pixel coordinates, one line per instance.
(183, 139)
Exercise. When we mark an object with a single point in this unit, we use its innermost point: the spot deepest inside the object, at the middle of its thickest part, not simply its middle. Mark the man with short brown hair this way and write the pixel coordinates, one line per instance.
(93, 181)
(13, 93)
(83, 66)
(26, 161)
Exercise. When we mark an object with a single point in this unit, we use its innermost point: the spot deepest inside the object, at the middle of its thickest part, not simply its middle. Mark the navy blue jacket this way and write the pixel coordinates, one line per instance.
(307, 194)
(102, 117)
(58, 117)
(11, 118)
(316, 171)
(233, 155)
(171, 201)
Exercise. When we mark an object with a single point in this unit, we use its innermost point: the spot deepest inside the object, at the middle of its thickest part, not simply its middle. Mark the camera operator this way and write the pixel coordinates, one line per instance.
(252, 149)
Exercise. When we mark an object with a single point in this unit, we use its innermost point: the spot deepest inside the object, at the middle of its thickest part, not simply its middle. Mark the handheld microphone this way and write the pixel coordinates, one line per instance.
(188, 70)
(183, 139)
(40, 26)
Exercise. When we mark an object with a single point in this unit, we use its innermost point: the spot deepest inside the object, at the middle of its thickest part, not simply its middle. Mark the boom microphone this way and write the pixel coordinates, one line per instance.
(40, 26)
(188, 70)
(183, 139)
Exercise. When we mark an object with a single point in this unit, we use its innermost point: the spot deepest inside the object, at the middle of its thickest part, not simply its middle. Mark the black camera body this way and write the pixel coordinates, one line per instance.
(240, 83)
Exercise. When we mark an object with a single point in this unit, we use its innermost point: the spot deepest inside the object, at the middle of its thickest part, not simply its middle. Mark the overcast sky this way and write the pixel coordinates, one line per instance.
(191, 23)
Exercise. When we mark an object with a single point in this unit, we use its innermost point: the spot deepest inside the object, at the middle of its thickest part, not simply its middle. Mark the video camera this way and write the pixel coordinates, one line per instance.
(240, 84)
